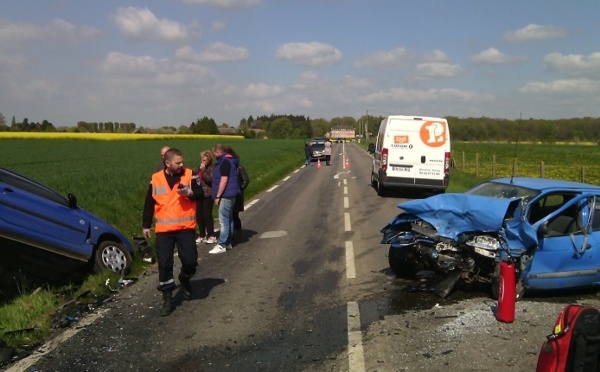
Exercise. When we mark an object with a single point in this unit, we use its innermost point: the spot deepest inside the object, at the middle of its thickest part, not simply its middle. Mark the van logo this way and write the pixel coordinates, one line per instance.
(401, 140)
(434, 133)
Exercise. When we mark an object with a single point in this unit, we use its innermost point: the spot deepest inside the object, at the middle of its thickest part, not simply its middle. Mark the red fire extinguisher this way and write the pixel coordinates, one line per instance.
(507, 293)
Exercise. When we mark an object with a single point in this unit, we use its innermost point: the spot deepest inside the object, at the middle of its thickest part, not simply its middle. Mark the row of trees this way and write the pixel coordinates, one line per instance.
(573, 130)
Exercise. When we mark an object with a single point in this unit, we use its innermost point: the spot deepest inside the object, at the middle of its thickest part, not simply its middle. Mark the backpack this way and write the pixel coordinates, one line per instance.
(243, 179)
(574, 344)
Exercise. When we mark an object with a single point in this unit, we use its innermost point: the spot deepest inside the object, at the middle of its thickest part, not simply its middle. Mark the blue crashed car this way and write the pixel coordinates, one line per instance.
(46, 235)
(549, 229)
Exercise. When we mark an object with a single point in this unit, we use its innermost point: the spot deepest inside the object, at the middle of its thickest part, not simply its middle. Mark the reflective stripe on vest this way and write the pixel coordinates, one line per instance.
(172, 211)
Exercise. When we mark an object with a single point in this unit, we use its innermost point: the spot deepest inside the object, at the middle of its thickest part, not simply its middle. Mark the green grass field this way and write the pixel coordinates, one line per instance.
(568, 162)
(110, 178)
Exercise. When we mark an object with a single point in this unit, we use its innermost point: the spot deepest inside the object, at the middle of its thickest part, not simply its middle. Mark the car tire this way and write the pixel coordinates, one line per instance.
(403, 263)
(520, 290)
(373, 182)
(112, 256)
(381, 191)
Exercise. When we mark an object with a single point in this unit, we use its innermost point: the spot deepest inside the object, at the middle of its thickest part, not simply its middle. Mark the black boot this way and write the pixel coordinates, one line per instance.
(167, 306)
(186, 286)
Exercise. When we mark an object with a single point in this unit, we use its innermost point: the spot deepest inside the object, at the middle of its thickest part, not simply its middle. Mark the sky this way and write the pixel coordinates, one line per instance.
(170, 62)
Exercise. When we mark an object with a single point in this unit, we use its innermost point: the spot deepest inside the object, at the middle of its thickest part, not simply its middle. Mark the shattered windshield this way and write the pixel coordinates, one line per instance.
(501, 190)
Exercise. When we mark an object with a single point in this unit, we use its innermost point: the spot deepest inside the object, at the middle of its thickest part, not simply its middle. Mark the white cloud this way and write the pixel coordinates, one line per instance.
(225, 4)
(533, 32)
(494, 56)
(574, 64)
(15, 33)
(312, 54)
(569, 86)
(435, 56)
(438, 70)
(218, 26)
(140, 24)
(429, 95)
(387, 59)
(217, 52)
(261, 91)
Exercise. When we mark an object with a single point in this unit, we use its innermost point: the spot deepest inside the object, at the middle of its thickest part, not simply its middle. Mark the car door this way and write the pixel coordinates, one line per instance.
(38, 216)
(568, 254)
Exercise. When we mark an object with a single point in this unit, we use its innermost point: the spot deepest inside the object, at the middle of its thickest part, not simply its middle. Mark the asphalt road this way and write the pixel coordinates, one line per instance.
(309, 275)
(308, 289)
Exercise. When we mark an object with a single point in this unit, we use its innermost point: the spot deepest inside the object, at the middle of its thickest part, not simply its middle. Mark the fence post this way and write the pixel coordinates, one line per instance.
(542, 169)
(494, 166)
(463, 162)
(477, 164)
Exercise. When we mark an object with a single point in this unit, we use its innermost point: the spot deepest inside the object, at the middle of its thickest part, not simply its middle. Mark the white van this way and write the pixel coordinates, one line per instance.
(411, 151)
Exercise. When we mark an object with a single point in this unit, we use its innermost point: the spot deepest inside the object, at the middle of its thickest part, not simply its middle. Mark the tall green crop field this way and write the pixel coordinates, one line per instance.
(110, 178)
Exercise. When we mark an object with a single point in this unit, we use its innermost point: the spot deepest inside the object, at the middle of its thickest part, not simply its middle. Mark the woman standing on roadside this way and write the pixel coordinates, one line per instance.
(204, 204)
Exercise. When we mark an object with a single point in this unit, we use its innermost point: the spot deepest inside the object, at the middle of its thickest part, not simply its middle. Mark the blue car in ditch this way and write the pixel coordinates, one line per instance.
(46, 235)
(549, 229)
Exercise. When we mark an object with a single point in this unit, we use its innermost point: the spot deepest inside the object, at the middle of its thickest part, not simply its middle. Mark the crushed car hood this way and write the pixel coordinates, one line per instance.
(453, 214)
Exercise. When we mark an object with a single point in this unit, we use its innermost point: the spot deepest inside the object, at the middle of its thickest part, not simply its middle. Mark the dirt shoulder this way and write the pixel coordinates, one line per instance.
(463, 337)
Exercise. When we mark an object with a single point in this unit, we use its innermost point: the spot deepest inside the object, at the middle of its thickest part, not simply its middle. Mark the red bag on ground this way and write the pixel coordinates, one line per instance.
(574, 344)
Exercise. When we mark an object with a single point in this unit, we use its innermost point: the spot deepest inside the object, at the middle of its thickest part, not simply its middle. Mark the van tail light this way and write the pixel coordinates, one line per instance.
(447, 163)
(384, 159)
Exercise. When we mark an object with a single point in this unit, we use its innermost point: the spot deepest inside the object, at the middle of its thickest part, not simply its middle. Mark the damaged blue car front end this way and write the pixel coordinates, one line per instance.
(549, 234)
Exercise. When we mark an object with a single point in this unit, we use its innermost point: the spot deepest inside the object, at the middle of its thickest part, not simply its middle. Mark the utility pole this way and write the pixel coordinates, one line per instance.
(367, 128)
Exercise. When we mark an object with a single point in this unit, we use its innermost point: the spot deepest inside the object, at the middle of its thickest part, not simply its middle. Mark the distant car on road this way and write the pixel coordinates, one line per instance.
(549, 229)
(47, 235)
(317, 148)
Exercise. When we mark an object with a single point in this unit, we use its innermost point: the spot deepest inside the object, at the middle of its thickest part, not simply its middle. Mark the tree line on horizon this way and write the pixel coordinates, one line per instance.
(573, 130)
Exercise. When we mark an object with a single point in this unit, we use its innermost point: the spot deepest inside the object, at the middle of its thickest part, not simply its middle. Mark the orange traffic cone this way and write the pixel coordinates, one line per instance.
(318, 163)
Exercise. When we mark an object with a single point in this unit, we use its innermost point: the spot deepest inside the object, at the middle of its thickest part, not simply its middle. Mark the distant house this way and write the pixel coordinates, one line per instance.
(228, 131)
(343, 132)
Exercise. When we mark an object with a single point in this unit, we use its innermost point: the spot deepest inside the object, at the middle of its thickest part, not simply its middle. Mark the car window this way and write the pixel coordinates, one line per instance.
(500, 190)
(31, 186)
(547, 204)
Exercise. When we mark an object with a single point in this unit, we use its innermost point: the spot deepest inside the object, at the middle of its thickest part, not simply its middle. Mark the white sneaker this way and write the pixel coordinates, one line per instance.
(218, 249)
(210, 240)
(200, 239)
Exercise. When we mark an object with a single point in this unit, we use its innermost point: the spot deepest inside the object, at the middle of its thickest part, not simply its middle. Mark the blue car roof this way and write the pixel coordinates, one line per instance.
(545, 183)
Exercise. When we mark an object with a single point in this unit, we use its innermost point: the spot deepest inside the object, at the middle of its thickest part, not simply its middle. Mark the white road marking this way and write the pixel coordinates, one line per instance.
(273, 234)
(251, 203)
(350, 268)
(356, 357)
(345, 180)
(287, 178)
(345, 190)
(347, 222)
(346, 203)
(272, 188)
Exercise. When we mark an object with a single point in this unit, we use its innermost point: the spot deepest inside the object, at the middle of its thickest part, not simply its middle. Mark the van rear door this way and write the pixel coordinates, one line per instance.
(417, 152)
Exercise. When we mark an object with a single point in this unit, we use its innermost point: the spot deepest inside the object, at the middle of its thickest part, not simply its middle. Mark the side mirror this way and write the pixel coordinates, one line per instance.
(72, 201)
(542, 229)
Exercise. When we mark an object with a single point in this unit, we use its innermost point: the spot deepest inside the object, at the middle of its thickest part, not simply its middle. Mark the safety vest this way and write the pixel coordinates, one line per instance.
(172, 211)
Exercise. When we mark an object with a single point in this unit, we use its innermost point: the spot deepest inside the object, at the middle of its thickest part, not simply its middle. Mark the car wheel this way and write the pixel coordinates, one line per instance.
(112, 256)
(402, 263)
(520, 290)
(380, 189)
(373, 182)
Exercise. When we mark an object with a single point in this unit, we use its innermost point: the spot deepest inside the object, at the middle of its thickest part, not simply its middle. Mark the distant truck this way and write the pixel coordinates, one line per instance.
(411, 152)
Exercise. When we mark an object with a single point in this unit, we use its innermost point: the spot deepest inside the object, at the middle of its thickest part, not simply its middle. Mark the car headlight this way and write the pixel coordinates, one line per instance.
(485, 242)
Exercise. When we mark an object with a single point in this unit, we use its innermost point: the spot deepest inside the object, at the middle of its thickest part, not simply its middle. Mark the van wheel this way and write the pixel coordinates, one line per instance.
(373, 182)
(380, 189)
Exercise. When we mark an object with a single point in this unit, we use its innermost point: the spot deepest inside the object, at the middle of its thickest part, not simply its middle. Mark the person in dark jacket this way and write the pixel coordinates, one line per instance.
(225, 188)
(243, 181)
(307, 153)
(205, 202)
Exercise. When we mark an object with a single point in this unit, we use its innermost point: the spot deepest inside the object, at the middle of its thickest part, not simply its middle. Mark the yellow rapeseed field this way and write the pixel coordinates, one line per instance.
(108, 136)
